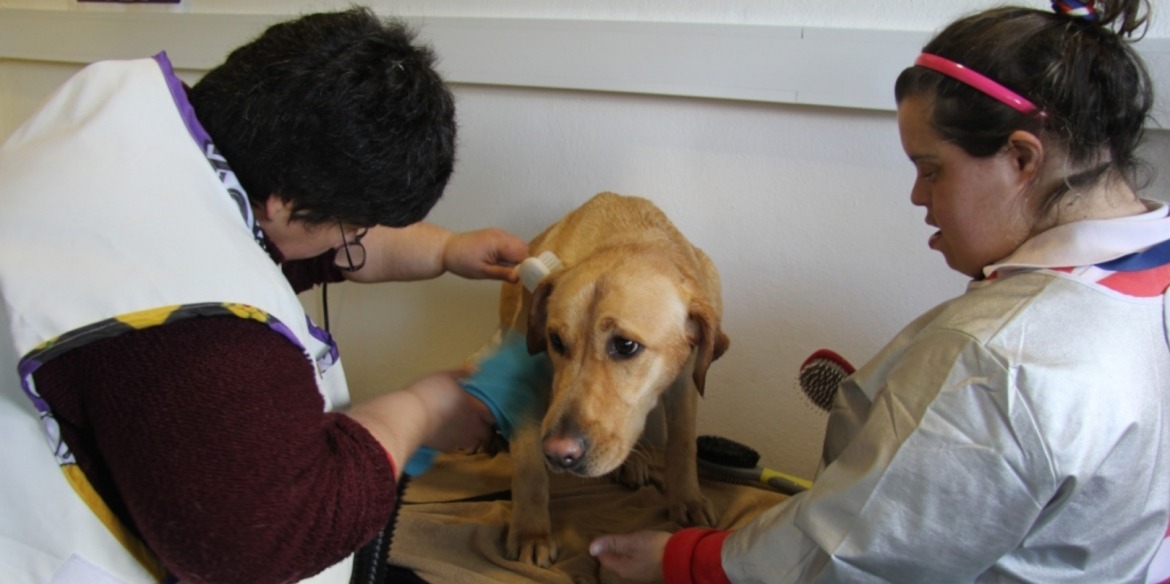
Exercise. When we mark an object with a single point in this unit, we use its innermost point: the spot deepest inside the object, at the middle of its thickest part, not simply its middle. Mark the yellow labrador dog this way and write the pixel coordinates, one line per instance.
(632, 319)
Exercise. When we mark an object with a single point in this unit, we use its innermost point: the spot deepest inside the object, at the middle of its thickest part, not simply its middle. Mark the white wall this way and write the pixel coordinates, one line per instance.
(805, 209)
(864, 14)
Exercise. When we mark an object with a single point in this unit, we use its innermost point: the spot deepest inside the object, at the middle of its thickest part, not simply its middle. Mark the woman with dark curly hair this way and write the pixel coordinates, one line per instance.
(156, 237)
(1019, 432)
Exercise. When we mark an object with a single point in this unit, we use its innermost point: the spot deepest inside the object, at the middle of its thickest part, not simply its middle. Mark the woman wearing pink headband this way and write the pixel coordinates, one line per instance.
(1021, 431)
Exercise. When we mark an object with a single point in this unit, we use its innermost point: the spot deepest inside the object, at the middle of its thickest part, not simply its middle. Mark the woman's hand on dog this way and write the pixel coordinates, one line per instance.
(423, 251)
(434, 411)
(635, 556)
(485, 253)
(458, 421)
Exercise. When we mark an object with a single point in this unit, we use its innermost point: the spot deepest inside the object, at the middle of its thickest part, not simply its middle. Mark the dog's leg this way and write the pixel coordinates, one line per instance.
(530, 532)
(640, 468)
(688, 505)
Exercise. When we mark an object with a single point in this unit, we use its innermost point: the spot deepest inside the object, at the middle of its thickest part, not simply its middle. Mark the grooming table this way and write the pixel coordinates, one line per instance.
(453, 520)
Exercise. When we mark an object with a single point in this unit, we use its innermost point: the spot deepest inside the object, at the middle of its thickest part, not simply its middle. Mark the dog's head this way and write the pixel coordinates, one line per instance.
(619, 332)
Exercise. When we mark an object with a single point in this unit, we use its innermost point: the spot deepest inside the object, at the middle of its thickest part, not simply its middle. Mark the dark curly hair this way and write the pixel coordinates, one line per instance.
(1093, 89)
(340, 113)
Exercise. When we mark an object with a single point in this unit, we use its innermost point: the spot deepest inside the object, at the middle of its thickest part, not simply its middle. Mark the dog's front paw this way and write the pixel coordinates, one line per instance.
(637, 472)
(535, 547)
(692, 511)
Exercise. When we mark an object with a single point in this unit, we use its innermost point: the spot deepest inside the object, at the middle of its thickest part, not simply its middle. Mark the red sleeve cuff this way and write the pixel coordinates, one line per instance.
(694, 556)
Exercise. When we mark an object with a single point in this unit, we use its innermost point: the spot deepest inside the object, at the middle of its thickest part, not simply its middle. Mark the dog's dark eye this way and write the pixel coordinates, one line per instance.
(623, 348)
(557, 344)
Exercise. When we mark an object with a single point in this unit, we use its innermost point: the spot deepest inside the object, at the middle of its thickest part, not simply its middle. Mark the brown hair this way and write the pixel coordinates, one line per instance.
(1093, 89)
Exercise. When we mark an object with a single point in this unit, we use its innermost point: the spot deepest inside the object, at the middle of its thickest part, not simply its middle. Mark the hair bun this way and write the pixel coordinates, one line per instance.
(1086, 10)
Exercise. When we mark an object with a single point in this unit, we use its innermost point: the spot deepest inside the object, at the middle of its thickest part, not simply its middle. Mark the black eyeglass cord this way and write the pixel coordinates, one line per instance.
(325, 304)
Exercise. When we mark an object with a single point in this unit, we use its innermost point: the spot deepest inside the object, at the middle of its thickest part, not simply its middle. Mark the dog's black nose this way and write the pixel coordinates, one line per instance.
(564, 452)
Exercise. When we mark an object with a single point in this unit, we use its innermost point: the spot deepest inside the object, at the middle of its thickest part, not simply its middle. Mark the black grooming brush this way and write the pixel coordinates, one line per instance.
(820, 375)
(729, 461)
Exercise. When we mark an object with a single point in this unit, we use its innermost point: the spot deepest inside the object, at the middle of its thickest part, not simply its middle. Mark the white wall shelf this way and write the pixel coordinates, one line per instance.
(779, 64)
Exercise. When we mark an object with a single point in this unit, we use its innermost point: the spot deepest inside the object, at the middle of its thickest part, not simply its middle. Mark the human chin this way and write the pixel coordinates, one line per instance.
(963, 265)
(956, 261)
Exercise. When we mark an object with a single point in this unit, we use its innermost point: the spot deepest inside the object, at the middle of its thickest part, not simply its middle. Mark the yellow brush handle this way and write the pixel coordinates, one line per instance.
(784, 482)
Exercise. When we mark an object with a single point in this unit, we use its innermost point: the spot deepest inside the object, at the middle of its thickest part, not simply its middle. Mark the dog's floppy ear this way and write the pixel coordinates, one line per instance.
(538, 318)
(707, 338)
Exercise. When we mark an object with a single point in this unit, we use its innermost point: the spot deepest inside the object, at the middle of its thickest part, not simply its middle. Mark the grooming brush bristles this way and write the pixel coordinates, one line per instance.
(820, 375)
(727, 452)
(724, 459)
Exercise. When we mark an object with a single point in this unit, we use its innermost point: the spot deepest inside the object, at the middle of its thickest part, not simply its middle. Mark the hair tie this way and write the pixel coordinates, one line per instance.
(1086, 10)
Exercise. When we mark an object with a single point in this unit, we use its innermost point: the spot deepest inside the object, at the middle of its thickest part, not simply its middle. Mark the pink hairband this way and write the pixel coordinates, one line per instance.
(977, 80)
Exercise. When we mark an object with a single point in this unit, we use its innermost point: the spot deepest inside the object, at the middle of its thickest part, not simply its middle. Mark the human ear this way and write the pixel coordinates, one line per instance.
(275, 208)
(1027, 152)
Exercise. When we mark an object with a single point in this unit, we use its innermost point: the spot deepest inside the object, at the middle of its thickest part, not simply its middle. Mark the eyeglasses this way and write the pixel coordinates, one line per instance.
(355, 252)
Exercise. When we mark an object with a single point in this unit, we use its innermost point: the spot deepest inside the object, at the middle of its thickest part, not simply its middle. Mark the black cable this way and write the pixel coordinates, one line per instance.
(325, 304)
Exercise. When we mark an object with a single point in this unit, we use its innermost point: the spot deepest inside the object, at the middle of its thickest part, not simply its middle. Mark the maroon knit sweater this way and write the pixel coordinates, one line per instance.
(208, 438)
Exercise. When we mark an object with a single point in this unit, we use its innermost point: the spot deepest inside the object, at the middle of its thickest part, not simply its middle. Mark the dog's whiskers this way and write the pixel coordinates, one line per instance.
(642, 451)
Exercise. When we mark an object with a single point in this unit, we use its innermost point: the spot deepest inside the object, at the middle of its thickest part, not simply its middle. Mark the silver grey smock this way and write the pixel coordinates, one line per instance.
(1017, 433)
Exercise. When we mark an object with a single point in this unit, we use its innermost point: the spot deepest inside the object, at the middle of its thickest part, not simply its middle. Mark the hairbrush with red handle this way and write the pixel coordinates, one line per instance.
(820, 375)
(727, 460)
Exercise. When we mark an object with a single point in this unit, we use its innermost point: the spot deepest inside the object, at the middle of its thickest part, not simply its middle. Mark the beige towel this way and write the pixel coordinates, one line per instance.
(454, 519)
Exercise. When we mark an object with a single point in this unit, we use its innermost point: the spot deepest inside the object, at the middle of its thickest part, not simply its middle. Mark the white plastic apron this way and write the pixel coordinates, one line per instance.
(69, 240)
